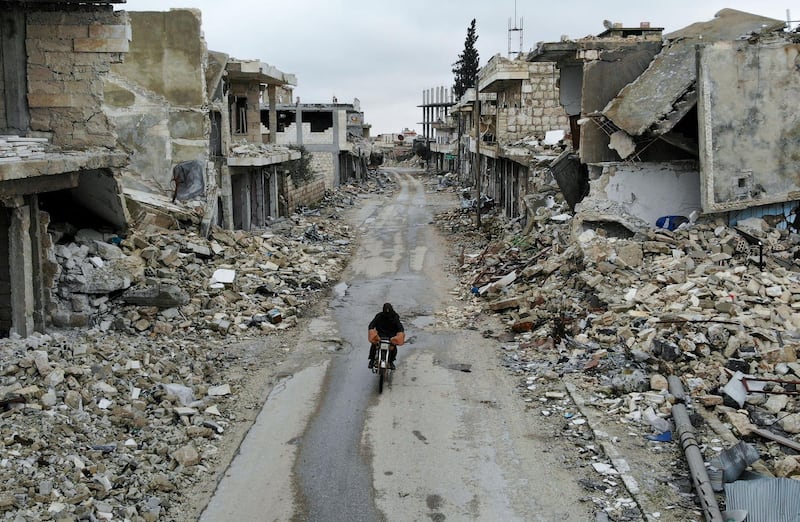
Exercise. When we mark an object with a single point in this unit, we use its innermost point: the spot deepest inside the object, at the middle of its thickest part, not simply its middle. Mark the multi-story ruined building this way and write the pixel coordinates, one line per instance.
(335, 135)
(59, 161)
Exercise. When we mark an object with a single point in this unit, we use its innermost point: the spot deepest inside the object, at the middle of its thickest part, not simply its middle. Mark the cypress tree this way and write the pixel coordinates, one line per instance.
(466, 68)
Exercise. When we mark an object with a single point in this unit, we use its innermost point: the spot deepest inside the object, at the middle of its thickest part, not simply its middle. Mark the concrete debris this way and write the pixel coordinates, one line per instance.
(614, 306)
(120, 419)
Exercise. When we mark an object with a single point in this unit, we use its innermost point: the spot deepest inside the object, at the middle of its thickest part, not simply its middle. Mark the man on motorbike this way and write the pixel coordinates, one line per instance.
(385, 325)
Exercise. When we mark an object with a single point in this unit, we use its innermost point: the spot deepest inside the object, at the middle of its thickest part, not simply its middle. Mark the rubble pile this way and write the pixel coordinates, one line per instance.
(120, 419)
(163, 281)
(617, 309)
(244, 149)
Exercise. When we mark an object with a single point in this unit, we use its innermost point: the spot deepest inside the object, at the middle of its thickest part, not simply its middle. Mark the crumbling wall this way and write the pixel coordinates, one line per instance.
(749, 124)
(69, 54)
(306, 195)
(289, 135)
(158, 97)
(646, 191)
(324, 164)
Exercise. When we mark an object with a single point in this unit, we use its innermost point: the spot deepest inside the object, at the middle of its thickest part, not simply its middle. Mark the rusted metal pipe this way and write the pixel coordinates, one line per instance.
(697, 467)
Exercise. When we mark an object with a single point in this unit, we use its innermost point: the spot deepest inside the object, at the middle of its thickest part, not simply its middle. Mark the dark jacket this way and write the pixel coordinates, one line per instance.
(387, 324)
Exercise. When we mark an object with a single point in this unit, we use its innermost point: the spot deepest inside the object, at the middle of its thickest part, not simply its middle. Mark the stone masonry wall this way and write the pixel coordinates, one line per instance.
(68, 56)
(532, 107)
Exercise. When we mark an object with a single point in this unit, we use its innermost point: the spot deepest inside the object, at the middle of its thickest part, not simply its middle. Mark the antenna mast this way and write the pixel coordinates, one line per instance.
(512, 30)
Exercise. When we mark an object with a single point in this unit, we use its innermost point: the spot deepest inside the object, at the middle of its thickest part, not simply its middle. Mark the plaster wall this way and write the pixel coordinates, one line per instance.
(570, 88)
(158, 97)
(749, 124)
(647, 190)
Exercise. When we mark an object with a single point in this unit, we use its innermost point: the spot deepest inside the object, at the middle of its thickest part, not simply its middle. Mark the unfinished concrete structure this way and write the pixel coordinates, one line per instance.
(439, 127)
(58, 166)
(673, 140)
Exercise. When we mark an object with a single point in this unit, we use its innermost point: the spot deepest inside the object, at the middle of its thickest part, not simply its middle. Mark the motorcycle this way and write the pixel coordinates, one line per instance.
(382, 366)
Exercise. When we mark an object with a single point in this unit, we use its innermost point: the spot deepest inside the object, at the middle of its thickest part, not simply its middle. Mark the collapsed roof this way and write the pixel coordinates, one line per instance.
(665, 92)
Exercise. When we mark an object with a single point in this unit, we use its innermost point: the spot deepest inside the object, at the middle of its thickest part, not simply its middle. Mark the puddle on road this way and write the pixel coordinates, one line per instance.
(423, 321)
(321, 327)
(340, 290)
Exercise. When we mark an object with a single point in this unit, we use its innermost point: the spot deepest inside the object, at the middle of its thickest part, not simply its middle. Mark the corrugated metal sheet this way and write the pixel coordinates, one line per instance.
(766, 499)
(766, 210)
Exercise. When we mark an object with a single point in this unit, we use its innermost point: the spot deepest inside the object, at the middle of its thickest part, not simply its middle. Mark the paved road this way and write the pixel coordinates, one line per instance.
(440, 443)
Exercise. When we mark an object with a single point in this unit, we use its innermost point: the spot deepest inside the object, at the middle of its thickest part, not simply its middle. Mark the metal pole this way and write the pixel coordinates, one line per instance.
(477, 112)
(685, 431)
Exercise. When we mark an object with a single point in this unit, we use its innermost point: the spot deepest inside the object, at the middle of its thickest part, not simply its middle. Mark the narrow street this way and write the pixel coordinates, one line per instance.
(446, 440)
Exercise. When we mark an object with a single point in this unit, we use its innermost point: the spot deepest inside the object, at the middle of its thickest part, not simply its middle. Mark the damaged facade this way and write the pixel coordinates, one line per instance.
(518, 111)
(667, 130)
(259, 189)
(112, 121)
(335, 135)
(54, 61)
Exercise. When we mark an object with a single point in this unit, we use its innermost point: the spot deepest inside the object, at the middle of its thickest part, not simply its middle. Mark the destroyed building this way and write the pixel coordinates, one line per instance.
(696, 124)
(59, 162)
(260, 189)
(518, 112)
(191, 119)
(665, 129)
(334, 134)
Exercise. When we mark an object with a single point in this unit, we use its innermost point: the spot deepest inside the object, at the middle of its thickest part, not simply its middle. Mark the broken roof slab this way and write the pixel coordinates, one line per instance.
(260, 155)
(257, 70)
(60, 163)
(496, 75)
(664, 93)
(576, 51)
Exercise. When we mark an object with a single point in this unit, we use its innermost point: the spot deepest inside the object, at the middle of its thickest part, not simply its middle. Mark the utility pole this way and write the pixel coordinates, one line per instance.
(477, 113)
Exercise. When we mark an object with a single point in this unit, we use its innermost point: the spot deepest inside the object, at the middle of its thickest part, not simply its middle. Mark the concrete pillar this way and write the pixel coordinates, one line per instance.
(298, 121)
(226, 197)
(21, 269)
(273, 193)
(38, 235)
(273, 114)
(254, 112)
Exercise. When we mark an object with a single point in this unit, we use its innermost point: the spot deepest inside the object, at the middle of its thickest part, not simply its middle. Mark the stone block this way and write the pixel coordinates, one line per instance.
(109, 31)
(186, 456)
(59, 100)
(101, 45)
(56, 31)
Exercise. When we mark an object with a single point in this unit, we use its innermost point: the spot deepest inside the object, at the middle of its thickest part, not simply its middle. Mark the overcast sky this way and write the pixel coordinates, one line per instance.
(386, 53)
